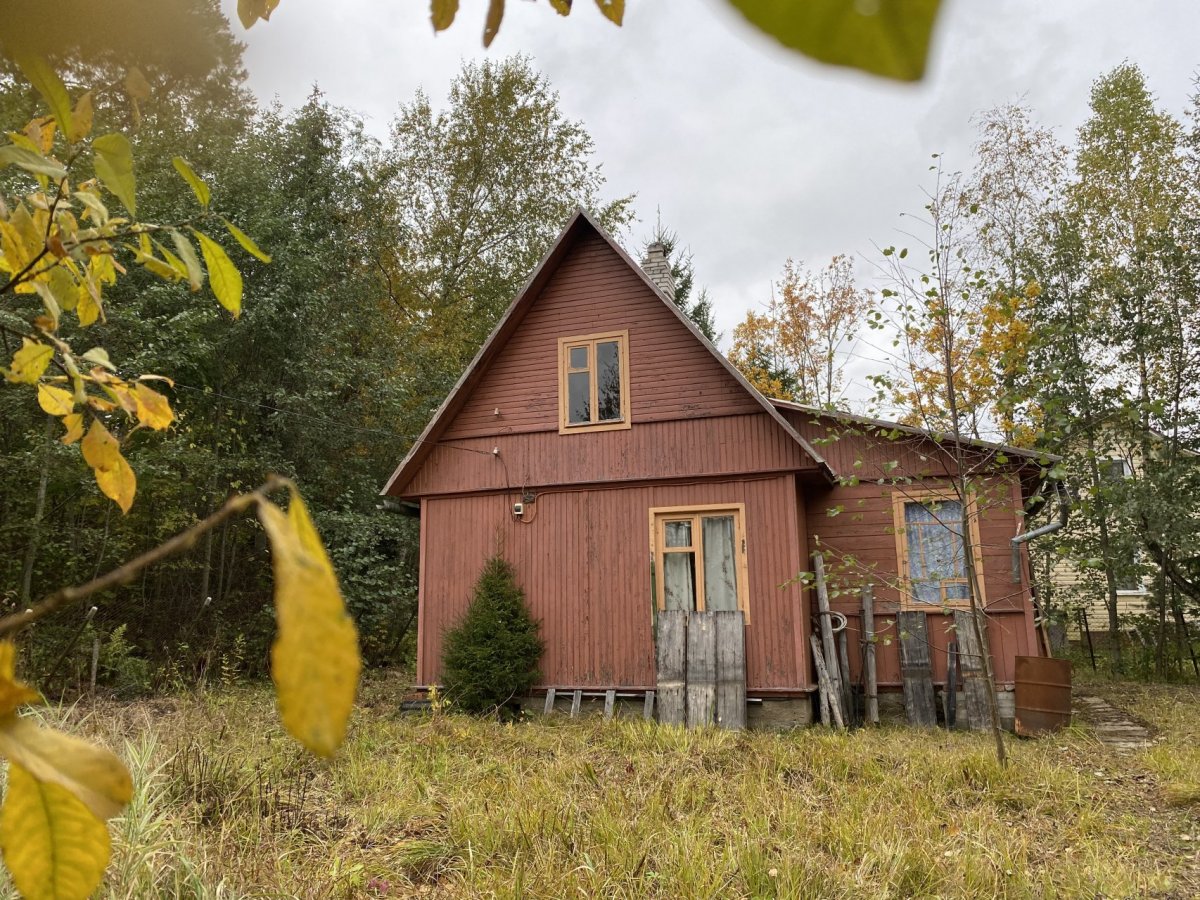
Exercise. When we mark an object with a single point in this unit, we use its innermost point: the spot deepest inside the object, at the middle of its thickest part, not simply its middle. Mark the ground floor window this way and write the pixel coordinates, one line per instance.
(931, 533)
(699, 556)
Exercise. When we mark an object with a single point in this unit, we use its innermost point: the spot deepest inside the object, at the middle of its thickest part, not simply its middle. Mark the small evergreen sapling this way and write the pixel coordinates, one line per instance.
(491, 656)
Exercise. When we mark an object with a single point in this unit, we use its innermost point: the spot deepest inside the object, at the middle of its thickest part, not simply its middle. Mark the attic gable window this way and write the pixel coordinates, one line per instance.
(593, 382)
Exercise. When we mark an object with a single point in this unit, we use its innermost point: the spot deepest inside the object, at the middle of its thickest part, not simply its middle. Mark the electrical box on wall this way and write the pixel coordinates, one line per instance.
(518, 509)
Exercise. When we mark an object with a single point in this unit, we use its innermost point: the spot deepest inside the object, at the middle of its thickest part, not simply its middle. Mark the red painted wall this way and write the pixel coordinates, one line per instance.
(584, 563)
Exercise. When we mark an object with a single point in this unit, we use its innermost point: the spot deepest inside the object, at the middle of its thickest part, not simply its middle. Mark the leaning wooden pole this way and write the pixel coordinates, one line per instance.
(826, 688)
(827, 642)
(871, 686)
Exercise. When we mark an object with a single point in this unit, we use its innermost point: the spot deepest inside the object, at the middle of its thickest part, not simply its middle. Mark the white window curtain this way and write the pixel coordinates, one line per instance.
(720, 576)
(679, 581)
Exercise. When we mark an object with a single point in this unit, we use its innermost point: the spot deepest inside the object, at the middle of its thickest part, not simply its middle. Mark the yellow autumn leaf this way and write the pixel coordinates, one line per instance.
(195, 182)
(40, 132)
(136, 84)
(55, 400)
(114, 167)
(247, 242)
(64, 286)
(103, 269)
(113, 474)
(54, 848)
(491, 25)
(613, 10)
(314, 660)
(74, 425)
(13, 693)
(88, 307)
(562, 7)
(191, 262)
(29, 362)
(250, 11)
(223, 276)
(83, 118)
(152, 407)
(442, 13)
(47, 83)
(93, 774)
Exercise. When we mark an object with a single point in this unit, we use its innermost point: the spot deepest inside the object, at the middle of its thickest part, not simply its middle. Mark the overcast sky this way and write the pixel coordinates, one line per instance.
(752, 154)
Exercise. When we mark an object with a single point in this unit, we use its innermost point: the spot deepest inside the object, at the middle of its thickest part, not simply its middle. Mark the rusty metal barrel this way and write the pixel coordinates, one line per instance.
(1043, 695)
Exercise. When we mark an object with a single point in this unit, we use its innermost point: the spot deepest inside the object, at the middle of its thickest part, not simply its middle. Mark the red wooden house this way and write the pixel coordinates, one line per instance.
(623, 465)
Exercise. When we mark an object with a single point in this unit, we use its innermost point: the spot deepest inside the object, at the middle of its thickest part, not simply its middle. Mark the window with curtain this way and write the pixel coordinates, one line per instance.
(931, 535)
(701, 555)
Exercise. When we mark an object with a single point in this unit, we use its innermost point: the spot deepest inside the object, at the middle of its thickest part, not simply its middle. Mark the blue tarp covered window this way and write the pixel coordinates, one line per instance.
(937, 567)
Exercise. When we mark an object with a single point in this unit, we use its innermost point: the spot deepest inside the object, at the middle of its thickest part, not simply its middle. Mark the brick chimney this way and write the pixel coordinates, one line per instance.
(658, 267)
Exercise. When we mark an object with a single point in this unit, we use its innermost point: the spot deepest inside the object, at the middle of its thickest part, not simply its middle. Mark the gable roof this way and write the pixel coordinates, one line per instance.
(579, 225)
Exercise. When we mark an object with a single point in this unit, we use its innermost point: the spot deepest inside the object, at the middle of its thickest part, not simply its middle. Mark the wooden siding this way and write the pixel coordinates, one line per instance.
(687, 448)
(671, 375)
(584, 563)
(865, 530)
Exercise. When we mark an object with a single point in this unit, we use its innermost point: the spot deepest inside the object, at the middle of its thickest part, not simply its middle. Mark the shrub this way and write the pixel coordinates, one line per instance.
(492, 654)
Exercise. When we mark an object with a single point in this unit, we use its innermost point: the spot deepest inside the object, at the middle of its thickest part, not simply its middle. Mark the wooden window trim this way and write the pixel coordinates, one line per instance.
(971, 511)
(659, 515)
(622, 339)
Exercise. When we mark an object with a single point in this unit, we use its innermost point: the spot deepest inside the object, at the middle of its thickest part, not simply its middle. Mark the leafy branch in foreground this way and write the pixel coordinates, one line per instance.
(61, 789)
(61, 243)
(885, 37)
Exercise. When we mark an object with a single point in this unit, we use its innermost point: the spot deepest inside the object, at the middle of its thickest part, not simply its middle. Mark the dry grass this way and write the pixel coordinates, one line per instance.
(449, 806)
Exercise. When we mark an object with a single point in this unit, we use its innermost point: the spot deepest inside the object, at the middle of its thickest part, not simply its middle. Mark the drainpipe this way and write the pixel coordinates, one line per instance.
(1064, 512)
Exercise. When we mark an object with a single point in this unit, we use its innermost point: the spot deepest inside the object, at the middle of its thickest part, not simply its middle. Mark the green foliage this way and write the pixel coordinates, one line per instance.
(475, 192)
(491, 656)
(885, 37)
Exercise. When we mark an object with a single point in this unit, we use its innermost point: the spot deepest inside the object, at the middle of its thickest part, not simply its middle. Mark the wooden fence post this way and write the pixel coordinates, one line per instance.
(871, 685)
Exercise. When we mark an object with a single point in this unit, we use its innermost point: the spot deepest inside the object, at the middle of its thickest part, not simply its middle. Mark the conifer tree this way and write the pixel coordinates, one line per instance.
(491, 656)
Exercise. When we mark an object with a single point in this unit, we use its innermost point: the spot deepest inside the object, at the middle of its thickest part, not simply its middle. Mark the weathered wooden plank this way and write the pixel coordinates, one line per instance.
(576, 702)
(610, 701)
(731, 668)
(870, 679)
(950, 695)
(701, 669)
(915, 669)
(826, 625)
(648, 706)
(977, 711)
(671, 652)
(549, 701)
(830, 714)
(847, 687)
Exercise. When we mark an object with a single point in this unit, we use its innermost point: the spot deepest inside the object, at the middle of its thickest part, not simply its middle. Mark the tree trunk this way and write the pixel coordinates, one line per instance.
(39, 510)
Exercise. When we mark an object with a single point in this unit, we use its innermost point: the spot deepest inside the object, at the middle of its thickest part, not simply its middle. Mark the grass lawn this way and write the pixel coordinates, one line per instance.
(442, 805)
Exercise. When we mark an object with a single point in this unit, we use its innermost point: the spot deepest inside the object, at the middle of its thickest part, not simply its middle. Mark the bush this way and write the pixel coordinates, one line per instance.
(491, 656)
